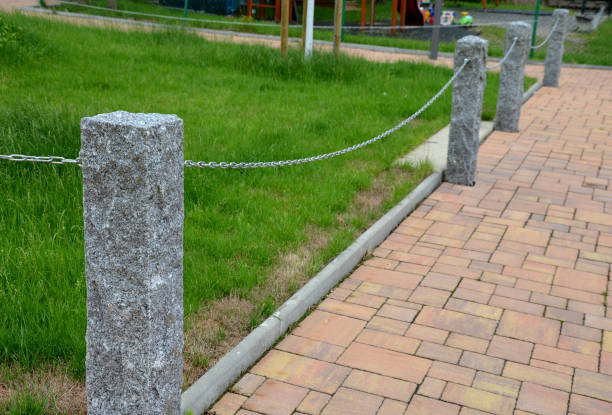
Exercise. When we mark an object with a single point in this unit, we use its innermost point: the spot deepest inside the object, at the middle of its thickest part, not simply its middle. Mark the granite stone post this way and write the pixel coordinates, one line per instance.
(510, 93)
(133, 213)
(468, 90)
(554, 52)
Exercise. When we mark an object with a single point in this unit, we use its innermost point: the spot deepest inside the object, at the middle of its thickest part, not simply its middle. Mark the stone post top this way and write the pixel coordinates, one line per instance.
(471, 41)
(129, 119)
(522, 25)
(560, 12)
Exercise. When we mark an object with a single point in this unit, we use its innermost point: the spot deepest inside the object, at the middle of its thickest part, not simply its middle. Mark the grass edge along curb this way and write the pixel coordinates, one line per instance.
(206, 390)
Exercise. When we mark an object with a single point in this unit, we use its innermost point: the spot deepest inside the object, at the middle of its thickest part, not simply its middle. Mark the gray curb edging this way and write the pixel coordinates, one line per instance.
(202, 394)
(531, 91)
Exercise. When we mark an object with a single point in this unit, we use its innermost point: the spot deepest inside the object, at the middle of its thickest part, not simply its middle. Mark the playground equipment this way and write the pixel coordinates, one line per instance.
(262, 5)
(410, 13)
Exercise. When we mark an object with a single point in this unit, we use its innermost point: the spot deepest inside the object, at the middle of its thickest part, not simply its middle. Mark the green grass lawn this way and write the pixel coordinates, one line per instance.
(591, 48)
(239, 103)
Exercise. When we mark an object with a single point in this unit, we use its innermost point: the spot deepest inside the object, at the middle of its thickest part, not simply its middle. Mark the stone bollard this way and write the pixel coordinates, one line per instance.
(554, 52)
(468, 90)
(133, 211)
(510, 94)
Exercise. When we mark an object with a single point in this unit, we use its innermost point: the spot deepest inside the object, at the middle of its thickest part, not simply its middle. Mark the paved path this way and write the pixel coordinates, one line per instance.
(489, 299)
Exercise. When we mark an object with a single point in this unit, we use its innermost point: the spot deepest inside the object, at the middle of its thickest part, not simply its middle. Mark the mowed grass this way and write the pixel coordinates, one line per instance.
(239, 103)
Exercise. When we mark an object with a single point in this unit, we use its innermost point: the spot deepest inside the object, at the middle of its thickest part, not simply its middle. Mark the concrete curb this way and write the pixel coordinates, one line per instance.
(202, 394)
(531, 91)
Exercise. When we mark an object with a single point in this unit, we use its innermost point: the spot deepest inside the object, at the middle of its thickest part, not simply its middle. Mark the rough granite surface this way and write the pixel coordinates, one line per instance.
(510, 93)
(554, 52)
(468, 90)
(133, 212)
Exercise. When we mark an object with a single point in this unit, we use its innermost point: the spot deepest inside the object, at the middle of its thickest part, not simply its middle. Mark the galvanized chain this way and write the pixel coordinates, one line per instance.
(549, 35)
(40, 159)
(252, 165)
(498, 64)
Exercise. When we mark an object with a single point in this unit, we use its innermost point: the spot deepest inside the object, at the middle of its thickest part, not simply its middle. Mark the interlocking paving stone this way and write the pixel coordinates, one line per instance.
(478, 399)
(385, 362)
(593, 384)
(349, 402)
(276, 398)
(302, 371)
(380, 385)
(485, 300)
(329, 328)
(458, 322)
(530, 328)
(542, 400)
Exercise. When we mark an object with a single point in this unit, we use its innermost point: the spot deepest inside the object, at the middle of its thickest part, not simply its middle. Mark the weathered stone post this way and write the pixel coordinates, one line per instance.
(133, 213)
(510, 94)
(554, 51)
(468, 90)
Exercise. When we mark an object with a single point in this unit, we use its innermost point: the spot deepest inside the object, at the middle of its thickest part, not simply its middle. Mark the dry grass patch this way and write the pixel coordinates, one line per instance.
(51, 386)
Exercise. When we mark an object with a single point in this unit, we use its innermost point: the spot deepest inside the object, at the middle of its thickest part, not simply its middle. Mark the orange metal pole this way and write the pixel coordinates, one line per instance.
(364, 5)
(393, 15)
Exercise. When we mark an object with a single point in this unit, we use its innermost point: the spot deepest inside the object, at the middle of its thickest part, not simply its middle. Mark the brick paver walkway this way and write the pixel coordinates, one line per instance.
(489, 299)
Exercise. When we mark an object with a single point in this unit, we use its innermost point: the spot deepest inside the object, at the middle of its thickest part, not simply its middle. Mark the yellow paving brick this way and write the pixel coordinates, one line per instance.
(478, 399)
(542, 400)
(302, 371)
(388, 341)
(537, 375)
(313, 403)
(310, 348)
(530, 328)
(457, 322)
(385, 362)
(228, 404)
(275, 398)
(348, 402)
(387, 277)
(380, 385)
(347, 309)
(497, 384)
(329, 328)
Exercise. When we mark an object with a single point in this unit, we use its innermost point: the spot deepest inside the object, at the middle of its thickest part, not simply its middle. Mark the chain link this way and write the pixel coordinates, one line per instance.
(281, 163)
(549, 35)
(40, 159)
(498, 64)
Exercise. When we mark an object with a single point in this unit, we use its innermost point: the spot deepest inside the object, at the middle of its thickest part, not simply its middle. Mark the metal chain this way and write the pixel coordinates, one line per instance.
(549, 35)
(40, 159)
(252, 165)
(498, 64)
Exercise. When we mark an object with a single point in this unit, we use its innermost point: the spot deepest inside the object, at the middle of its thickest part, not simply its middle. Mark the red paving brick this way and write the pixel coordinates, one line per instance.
(489, 299)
